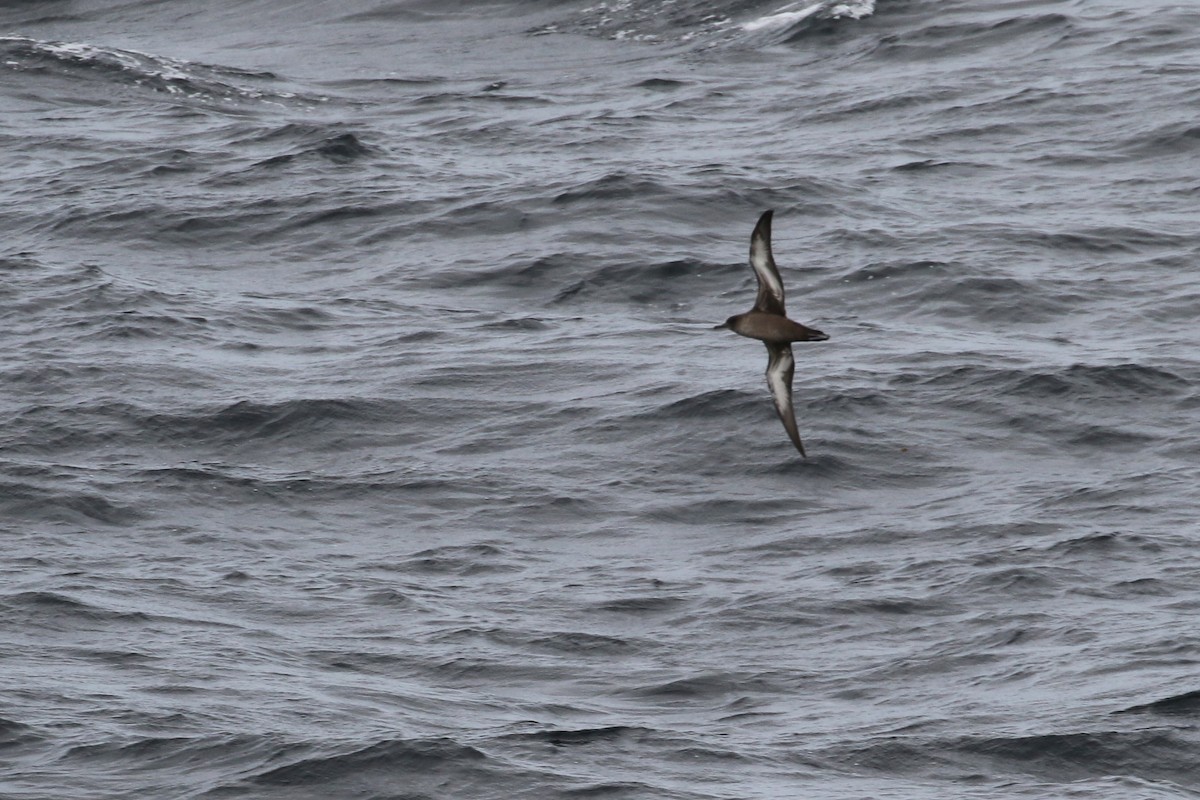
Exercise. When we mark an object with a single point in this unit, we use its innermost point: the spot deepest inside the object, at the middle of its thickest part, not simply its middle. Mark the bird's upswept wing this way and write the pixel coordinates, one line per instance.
(780, 368)
(770, 285)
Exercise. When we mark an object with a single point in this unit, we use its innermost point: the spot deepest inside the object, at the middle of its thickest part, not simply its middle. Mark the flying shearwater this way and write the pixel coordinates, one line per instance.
(768, 323)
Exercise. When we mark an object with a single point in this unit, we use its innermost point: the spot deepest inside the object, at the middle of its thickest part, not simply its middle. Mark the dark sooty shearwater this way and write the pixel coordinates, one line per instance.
(768, 323)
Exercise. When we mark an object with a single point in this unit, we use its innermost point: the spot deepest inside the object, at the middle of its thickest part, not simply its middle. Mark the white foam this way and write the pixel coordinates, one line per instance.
(789, 15)
(133, 61)
(780, 19)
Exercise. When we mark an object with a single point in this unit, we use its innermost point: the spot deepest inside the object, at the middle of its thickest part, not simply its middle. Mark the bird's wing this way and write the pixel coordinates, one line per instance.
(779, 377)
(770, 285)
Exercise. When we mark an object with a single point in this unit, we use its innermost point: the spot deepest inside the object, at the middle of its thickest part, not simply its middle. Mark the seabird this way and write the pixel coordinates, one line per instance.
(768, 323)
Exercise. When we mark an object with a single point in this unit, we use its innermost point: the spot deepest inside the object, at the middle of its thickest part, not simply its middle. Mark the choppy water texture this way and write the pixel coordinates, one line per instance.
(363, 432)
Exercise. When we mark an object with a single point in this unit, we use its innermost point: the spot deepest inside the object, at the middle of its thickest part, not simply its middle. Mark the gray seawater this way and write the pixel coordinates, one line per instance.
(363, 433)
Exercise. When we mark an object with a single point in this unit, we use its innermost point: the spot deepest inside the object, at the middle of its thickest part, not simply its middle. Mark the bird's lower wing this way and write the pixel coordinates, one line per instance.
(780, 368)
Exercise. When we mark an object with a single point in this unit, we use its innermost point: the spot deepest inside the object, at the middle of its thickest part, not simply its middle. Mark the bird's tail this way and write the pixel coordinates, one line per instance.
(811, 334)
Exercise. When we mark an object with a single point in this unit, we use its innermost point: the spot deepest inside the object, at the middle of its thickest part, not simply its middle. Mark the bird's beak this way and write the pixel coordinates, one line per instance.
(723, 326)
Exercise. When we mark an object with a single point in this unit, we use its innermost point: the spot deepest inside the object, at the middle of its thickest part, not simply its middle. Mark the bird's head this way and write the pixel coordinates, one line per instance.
(726, 325)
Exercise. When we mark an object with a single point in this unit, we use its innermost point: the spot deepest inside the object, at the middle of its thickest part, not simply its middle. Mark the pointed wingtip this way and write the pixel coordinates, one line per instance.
(795, 437)
(762, 233)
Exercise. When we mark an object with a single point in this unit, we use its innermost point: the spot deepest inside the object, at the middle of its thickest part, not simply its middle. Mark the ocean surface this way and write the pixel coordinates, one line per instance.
(363, 431)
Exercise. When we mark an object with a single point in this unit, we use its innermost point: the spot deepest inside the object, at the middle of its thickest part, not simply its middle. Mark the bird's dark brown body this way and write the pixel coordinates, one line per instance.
(773, 328)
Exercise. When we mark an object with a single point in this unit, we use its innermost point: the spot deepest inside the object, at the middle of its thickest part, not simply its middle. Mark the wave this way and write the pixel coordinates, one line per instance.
(87, 301)
(35, 492)
(280, 162)
(702, 23)
(53, 611)
(946, 36)
(45, 427)
(1079, 381)
(1157, 755)
(83, 62)
(329, 141)
(1186, 704)
(26, 502)
(461, 560)
(14, 734)
(395, 757)
(794, 20)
